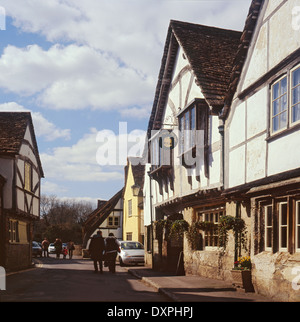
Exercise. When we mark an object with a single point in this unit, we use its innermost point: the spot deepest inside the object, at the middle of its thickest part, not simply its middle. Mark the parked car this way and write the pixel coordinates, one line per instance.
(36, 249)
(131, 253)
(51, 248)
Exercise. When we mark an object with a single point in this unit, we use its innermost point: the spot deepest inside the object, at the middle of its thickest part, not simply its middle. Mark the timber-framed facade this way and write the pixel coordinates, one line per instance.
(21, 172)
(240, 157)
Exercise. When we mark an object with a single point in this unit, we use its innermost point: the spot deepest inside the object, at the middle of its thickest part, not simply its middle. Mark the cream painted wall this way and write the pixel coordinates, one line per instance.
(132, 224)
(250, 156)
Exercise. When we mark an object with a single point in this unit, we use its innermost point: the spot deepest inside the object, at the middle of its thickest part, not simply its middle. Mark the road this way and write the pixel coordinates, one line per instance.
(74, 280)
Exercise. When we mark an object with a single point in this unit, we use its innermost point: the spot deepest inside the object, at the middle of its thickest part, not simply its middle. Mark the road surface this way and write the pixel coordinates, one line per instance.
(74, 280)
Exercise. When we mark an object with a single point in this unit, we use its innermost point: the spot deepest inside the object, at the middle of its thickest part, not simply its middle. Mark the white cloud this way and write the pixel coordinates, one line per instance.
(132, 30)
(72, 77)
(80, 162)
(116, 49)
(43, 128)
(50, 188)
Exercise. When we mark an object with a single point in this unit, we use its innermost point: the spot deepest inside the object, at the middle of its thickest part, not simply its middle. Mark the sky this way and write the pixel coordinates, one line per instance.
(87, 72)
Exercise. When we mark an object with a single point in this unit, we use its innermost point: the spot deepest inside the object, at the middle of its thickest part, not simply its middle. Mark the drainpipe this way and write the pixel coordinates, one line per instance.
(151, 217)
(222, 132)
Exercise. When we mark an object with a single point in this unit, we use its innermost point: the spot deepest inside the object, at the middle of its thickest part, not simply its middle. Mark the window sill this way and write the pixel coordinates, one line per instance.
(274, 136)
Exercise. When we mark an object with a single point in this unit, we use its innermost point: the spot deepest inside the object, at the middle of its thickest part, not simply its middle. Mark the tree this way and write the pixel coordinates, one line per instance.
(61, 219)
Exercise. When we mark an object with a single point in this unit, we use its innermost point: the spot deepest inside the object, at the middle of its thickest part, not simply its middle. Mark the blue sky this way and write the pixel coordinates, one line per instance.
(82, 67)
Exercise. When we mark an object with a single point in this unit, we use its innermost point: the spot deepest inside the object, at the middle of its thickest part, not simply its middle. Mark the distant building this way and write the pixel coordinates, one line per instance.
(20, 187)
(133, 222)
(108, 217)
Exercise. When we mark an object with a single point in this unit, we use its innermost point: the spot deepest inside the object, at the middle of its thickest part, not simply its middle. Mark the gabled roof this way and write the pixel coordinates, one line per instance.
(138, 171)
(97, 217)
(210, 52)
(13, 126)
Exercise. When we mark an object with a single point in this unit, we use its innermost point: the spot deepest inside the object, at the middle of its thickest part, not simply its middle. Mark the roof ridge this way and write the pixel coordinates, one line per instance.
(174, 21)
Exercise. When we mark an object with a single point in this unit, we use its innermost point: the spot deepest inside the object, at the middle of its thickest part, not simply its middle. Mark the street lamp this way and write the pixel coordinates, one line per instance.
(135, 190)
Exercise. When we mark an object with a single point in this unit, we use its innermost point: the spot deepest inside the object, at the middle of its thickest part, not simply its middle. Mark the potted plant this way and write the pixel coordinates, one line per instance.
(241, 274)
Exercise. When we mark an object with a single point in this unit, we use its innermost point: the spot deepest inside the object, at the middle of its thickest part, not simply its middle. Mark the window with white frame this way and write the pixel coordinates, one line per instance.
(283, 226)
(298, 226)
(210, 237)
(114, 221)
(295, 96)
(268, 227)
(129, 208)
(279, 105)
(285, 101)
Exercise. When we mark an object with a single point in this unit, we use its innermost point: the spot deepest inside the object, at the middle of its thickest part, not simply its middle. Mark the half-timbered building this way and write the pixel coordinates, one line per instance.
(20, 186)
(185, 146)
(107, 217)
(262, 158)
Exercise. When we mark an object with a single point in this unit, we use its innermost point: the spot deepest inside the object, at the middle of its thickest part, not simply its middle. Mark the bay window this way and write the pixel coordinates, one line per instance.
(193, 132)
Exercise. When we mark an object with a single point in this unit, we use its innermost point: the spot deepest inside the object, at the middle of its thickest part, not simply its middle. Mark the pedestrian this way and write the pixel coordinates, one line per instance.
(45, 245)
(65, 252)
(58, 247)
(112, 247)
(96, 249)
(71, 248)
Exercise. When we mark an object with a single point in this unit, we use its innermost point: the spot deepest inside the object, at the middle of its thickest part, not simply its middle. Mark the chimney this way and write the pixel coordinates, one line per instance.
(101, 203)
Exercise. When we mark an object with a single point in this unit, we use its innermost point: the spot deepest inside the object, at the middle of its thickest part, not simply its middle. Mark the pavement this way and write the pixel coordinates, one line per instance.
(193, 288)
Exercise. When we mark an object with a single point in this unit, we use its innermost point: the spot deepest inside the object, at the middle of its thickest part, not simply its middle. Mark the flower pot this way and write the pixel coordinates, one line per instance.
(241, 279)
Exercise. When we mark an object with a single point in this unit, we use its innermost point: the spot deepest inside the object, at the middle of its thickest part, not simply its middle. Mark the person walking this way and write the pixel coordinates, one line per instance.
(96, 249)
(71, 248)
(45, 245)
(58, 247)
(112, 247)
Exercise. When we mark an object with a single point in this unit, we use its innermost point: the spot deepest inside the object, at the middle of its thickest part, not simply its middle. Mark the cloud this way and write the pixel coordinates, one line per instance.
(49, 187)
(114, 49)
(43, 128)
(78, 162)
(99, 156)
(133, 30)
(72, 77)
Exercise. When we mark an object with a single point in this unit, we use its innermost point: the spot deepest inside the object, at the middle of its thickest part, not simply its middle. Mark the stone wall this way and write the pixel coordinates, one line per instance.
(277, 275)
(18, 256)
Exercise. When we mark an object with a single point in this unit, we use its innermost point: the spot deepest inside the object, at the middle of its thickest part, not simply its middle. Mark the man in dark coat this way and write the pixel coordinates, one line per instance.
(58, 247)
(96, 249)
(112, 247)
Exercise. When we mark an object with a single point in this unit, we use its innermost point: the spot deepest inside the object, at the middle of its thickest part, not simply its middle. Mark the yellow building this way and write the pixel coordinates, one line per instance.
(133, 213)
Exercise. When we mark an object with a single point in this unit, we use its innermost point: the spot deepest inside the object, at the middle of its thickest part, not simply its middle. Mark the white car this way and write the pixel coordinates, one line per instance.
(131, 253)
(51, 248)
